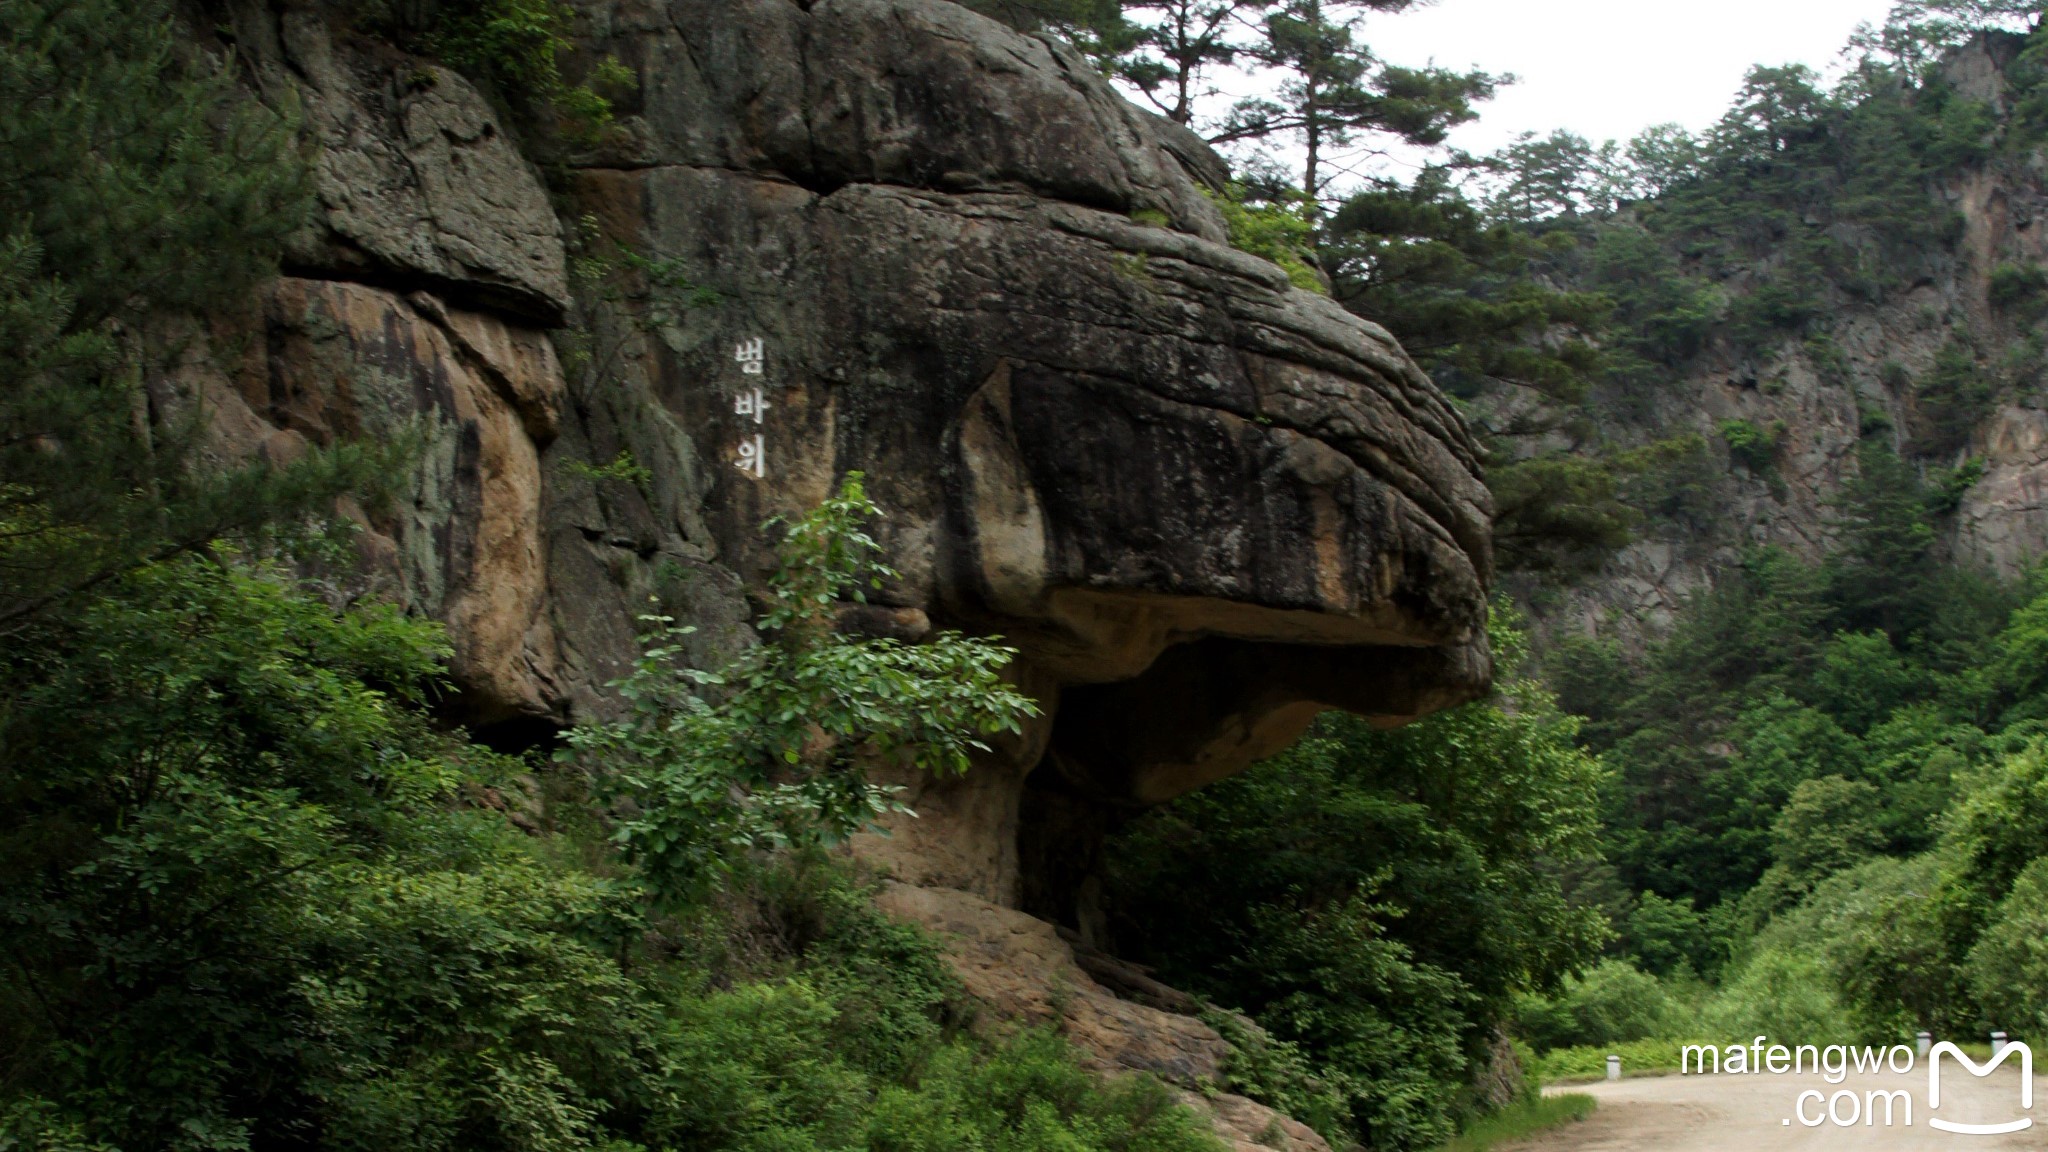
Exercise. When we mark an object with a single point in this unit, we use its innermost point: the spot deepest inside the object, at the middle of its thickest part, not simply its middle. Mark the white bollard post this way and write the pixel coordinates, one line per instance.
(1614, 1067)
(1997, 1043)
(1924, 1041)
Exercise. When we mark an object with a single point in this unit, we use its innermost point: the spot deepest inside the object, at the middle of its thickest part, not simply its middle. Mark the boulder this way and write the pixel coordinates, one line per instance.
(1204, 504)
(892, 237)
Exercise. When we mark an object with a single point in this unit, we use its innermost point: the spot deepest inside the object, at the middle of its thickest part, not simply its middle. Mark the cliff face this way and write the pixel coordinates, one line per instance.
(1820, 401)
(1204, 505)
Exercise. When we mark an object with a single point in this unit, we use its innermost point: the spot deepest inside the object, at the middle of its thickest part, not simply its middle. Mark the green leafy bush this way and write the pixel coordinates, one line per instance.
(1779, 992)
(1754, 448)
(514, 46)
(780, 758)
(1952, 399)
(1614, 1003)
(1376, 899)
(2008, 968)
(1638, 1057)
(2016, 286)
(1521, 1120)
(250, 896)
(1276, 228)
(140, 187)
(1670, 937)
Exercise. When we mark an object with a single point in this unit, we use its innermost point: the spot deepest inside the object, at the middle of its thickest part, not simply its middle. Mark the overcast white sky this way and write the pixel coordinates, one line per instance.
(1606, 69)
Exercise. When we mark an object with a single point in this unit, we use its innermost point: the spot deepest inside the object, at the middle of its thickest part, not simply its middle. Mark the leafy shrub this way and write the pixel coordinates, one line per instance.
(1779, 992)
(1559, 514)
(1376, 899)
(1565, 1065)
(2015, 286)
(1280, 1075)
(2008, 968)
(514, 46)
(1274, 228)
(1951, 400)
(1828, 824)
(141, 184)
(1754, 448)
(1027, 1094)
(1867, 954)
(2000, 825)
(1614, 1003)
(1671, 937)
(1521, 1120)
(779, 759)
(246, 904)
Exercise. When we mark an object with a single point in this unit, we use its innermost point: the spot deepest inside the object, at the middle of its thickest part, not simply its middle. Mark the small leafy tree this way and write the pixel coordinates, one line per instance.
(772, 749)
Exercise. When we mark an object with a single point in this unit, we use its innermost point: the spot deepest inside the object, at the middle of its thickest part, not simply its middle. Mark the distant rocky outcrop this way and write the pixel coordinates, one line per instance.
(1818, 402)
(1205, 505)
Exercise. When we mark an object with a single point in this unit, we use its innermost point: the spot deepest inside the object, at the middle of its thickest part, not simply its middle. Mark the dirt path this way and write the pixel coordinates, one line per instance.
(1745, 1113)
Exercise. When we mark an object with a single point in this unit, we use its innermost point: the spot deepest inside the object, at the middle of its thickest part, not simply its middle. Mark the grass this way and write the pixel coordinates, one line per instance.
(1521, 1120)
(1638, 1058)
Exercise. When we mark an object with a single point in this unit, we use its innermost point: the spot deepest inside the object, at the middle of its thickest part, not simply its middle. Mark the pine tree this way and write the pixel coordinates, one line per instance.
(1171, 51)
(133, 183)
(1333, 90)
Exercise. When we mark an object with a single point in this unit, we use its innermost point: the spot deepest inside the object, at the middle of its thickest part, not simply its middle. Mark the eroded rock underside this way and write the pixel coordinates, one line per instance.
(1203, 504)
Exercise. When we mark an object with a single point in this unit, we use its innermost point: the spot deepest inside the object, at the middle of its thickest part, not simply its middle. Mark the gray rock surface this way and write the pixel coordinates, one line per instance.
(420, 184)
(979, 276)
(1204, 504)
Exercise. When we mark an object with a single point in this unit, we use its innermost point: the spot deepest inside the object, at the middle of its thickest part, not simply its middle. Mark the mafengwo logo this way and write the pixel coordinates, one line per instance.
(1875, 1106)
(2026, 1087)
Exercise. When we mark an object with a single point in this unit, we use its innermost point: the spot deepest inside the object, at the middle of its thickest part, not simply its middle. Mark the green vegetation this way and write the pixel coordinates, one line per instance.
(1824, 799)
(134, 193)
(1375, 901)
(1277, 228)
(780, 758)
(1329, 92)
(1587, 1062)
(253, 894)
(1521, 1120)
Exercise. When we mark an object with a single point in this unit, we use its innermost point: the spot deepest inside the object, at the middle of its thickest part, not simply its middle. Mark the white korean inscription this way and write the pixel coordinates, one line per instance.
(751, 356)
(752, 402)
(753, 456)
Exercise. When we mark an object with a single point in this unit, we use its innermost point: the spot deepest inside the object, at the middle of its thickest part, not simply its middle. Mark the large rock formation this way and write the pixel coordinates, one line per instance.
(1204, 505)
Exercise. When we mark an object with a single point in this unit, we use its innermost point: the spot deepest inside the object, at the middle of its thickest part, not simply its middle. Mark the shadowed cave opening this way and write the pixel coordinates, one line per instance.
(1204, 710)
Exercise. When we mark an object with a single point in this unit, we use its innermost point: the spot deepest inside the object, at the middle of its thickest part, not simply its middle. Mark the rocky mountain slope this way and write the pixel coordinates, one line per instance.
(1946, 372)
(895, 237)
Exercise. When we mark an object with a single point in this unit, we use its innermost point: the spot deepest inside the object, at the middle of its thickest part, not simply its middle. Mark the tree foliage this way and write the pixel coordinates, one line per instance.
(251, 896)
(775, 753)
(1333, 91)
(1376, 898)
